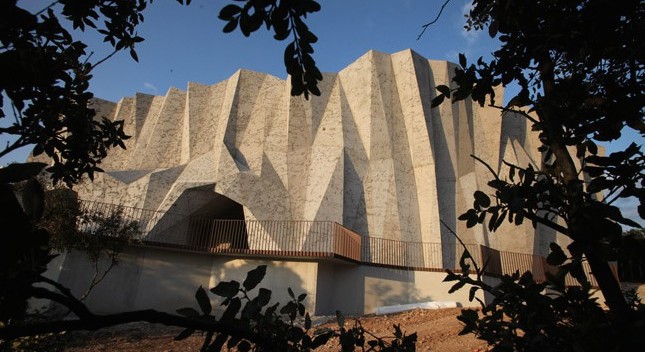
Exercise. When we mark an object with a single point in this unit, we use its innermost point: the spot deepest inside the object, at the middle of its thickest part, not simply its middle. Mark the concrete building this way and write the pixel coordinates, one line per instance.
(341, 194)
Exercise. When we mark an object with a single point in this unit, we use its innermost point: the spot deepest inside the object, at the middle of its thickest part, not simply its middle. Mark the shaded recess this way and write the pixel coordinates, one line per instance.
(208, 219)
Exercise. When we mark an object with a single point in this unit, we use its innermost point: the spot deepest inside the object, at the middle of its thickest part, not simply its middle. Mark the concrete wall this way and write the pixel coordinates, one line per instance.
(165, 280)
(358, 289)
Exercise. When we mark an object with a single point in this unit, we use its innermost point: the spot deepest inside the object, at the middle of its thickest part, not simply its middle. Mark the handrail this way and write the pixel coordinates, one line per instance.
(311, 239)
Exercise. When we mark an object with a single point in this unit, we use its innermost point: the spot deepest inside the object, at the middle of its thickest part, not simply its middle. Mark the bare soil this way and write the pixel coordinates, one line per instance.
(437, 330)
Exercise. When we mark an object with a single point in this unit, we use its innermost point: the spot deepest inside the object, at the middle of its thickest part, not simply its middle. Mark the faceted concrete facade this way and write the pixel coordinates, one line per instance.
(369, 153)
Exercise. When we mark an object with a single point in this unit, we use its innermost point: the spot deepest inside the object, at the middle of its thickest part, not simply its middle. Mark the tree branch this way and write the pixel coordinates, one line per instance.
(46, 8)
(487, 166)
(520, 112)
(563, 230)
(70, 302)
(19, 143)
(64, 290)
(96, 322)
(96, 279)
(425, 26)
(103, 59)
(462, 244)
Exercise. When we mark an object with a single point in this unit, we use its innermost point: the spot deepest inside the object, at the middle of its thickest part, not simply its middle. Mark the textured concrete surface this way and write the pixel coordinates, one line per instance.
(369, 153)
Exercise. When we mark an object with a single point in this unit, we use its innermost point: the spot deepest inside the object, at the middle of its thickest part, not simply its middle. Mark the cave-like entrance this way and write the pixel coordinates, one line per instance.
(215, 222)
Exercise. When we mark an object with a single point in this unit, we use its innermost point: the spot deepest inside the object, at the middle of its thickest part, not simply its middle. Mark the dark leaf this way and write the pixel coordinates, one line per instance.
(443, 89)
(471, 294)
(290, 309)
(437, 100)
(229, 11)
(340, 318)
(472, 221)
(264, 296)
(451, 276)
(307, 322)
(457, 286)
(557, 256)
(251, 309)
(347, 341)
(226, 289)
(203, 300)
(184, 334)
(254, 277)
(482, 199)
(493, 221)
(20, 172)
(231, 310)
(578, 272)
(321, 339)
(467, 215)
(134, 55)
(230, 26)
(310, 6)
(462, 60)
(281, 35)
(492, 28)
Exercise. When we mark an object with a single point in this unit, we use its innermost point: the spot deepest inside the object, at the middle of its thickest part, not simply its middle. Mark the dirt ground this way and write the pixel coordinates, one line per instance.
(437, 330)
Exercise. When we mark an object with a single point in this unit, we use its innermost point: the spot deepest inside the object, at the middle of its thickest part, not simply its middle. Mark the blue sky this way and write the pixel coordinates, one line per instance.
(185, 44)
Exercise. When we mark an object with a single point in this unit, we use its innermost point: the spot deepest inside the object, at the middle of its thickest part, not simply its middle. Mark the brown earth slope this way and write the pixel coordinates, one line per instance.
(437, 331)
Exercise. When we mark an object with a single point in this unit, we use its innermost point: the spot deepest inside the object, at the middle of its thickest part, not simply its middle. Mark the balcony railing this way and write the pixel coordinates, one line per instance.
(306, 239)
(311, 239)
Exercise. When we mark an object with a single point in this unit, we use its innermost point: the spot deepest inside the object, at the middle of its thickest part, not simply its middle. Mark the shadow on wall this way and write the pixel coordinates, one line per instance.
(144, 278)
(384, 287)
(166, 280)
(300, 276)
(388, 293)
(358, 290)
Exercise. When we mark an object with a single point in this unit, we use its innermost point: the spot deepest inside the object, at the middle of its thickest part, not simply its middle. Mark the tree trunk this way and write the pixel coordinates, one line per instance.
(552, 125)
(609, 286)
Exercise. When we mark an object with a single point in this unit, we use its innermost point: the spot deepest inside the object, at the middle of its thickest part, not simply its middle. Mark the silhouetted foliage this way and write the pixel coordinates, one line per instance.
(24, 248)
(60, 218)
(580, 83)
(631, 262)
(525, 315)
(275, 328)
(285, 17)
(245, 323)
(45, 73)
(580, 71)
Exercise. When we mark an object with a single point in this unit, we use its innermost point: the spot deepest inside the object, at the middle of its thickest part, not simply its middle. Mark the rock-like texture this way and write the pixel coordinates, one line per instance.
(369, 153)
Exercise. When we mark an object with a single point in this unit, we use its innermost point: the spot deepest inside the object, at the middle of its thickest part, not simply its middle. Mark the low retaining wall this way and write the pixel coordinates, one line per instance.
(165, 280)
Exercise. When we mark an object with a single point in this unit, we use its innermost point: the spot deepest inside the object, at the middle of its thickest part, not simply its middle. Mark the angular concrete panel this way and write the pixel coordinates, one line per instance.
(369, 153)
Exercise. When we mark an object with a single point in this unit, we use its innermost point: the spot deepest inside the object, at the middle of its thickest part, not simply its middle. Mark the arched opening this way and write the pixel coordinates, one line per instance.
(214, 222)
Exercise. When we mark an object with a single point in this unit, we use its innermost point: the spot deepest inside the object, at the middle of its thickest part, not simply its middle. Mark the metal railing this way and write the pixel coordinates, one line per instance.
(312, 239)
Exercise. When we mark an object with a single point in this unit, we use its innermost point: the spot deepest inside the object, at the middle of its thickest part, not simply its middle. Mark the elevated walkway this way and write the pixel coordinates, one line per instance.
(318, 240)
